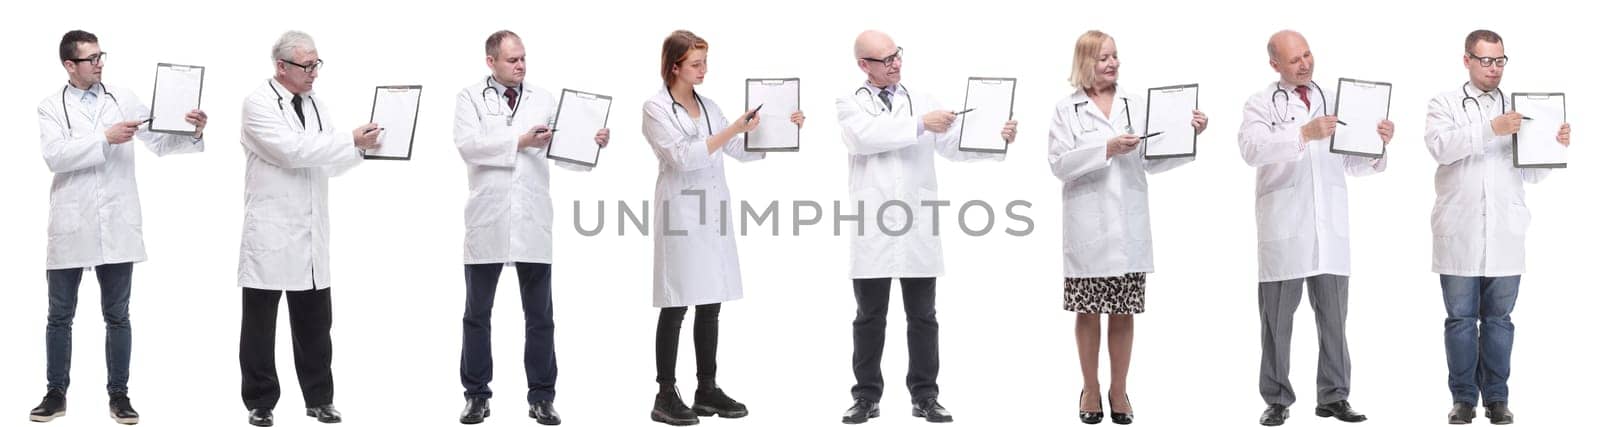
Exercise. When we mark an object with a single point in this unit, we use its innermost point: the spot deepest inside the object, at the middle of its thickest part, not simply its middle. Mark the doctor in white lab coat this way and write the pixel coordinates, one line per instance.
(501, 130)
(290, 151)
(891, 134)
(1302, 224)
(1480, 223)
(84, 130)
(1095, 149)
(696, 263)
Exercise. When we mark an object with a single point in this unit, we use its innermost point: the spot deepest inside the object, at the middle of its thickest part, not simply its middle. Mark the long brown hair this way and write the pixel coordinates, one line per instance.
(675, 49)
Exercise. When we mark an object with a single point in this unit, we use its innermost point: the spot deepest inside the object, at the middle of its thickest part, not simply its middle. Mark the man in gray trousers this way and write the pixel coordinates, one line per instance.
(1302, 225)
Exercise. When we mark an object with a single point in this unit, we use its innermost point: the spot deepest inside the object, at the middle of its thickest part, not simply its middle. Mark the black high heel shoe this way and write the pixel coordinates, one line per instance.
(1123, 418)
(1089, 417)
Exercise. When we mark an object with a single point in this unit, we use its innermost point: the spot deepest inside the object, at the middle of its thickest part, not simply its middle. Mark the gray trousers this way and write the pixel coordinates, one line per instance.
(1330, 296)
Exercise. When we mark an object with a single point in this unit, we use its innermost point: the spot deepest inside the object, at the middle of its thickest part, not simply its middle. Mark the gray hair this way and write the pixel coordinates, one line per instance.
(289, 42)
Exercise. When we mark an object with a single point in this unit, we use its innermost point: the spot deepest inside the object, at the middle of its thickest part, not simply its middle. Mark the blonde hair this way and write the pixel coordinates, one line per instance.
(1085, 56)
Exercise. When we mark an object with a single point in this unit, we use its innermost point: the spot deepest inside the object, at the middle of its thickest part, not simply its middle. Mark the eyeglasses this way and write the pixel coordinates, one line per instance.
(308, 68)
(1485, 62)
(95, 59)
(899, 54)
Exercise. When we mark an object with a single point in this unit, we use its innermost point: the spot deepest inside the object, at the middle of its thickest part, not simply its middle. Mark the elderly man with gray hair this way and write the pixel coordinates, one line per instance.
(289, 154)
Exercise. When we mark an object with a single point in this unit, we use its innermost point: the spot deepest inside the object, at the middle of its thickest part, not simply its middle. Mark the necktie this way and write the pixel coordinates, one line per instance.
(298, 112)
(1303, 91)
(885, 96)
(511, 98)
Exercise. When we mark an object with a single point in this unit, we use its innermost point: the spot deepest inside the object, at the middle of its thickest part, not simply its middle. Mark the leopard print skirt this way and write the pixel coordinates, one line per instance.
(1109, 295)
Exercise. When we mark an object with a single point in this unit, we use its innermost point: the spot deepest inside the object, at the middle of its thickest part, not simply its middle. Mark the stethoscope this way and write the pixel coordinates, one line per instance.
(677, 106)
(498, 110)
(877, 107)
(1479, 110)
(68, 115)
(1089, 125)
(1281, 114)
(313, 107)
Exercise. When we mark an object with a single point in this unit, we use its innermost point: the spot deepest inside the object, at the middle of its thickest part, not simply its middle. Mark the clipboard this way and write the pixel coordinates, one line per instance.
(1516, 148)
(775, 119)
(580, 124)
(163, 124)
(410, 94)
(985, 118)
(1333, 140)
(1150, 101)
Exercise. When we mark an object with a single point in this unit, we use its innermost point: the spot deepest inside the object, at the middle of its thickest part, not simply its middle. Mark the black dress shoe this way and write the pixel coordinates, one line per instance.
(54, 405)
(477, 409)
(861, 411)
(1123, 418)
(1274, 415)
(324, 414)
(716, 402)
(261, 417)
(1498, 413)
(544, 412)
(122, 410)
(669, 409)
(1341, 411)
(1089, 417)
(930, 409)
(1462, 413)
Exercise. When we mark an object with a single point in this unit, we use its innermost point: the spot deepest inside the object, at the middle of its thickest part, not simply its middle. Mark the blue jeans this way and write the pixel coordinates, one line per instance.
(1478, 335)
(116, 282)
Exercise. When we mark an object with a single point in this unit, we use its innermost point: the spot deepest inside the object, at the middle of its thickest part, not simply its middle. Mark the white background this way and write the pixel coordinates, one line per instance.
(1008, 357)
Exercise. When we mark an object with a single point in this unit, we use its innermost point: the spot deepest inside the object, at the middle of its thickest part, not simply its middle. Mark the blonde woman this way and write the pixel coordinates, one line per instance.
(1094, 150)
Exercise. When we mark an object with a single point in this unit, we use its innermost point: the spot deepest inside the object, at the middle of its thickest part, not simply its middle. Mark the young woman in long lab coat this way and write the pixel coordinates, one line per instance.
(695, 260)
(1094, 150)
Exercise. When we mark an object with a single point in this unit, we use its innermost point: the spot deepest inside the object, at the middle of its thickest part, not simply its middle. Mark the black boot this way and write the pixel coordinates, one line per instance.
(122, 409)
(715, 402)
(669, 409)
(53, 406)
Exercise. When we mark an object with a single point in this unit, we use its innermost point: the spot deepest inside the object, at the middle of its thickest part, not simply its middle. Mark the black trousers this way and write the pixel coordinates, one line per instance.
(310, 319)
(538, 319)
(922, 337)
(705, 344)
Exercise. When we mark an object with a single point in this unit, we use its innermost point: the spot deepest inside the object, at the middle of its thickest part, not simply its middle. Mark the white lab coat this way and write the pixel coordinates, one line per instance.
(94, 199)
(695, 258)
(1302, 211)
(284, 245)
(1105, 204)
(891, 158)
(508, 211)
(1480, 221)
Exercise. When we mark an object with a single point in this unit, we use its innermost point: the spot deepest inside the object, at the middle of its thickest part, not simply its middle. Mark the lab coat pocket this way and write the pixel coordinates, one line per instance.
(266, 236)
(1084, 224)
(1136, 216)
(64, 218)
(484, 208)
(1341, 210)
(1517, 219)
(1446, 220)
(1278, 215)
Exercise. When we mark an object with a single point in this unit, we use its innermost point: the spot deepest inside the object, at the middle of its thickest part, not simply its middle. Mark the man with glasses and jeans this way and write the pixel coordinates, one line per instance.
(1480, 223)
(84, 130)
(892, 135)
(290, 152)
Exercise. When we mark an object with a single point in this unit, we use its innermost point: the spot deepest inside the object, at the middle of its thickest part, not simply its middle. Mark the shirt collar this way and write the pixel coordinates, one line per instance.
(498, 88)
(893, 90)
(76, 93)
(1473, 91)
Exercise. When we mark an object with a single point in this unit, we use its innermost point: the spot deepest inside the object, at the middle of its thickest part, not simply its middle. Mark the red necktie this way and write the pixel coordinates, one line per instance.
(1302, 90)
(511, 98)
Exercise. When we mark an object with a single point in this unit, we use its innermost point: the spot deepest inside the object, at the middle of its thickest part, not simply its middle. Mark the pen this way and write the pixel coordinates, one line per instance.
(543, 131)
(1153, 135)
(1342, 122)
(752, 115)
(969, 110)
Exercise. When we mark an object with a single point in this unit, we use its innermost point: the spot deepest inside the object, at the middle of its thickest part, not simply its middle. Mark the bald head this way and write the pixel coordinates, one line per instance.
(1290, 56)
(883, 69)
(1285, 40)
(874, 44)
